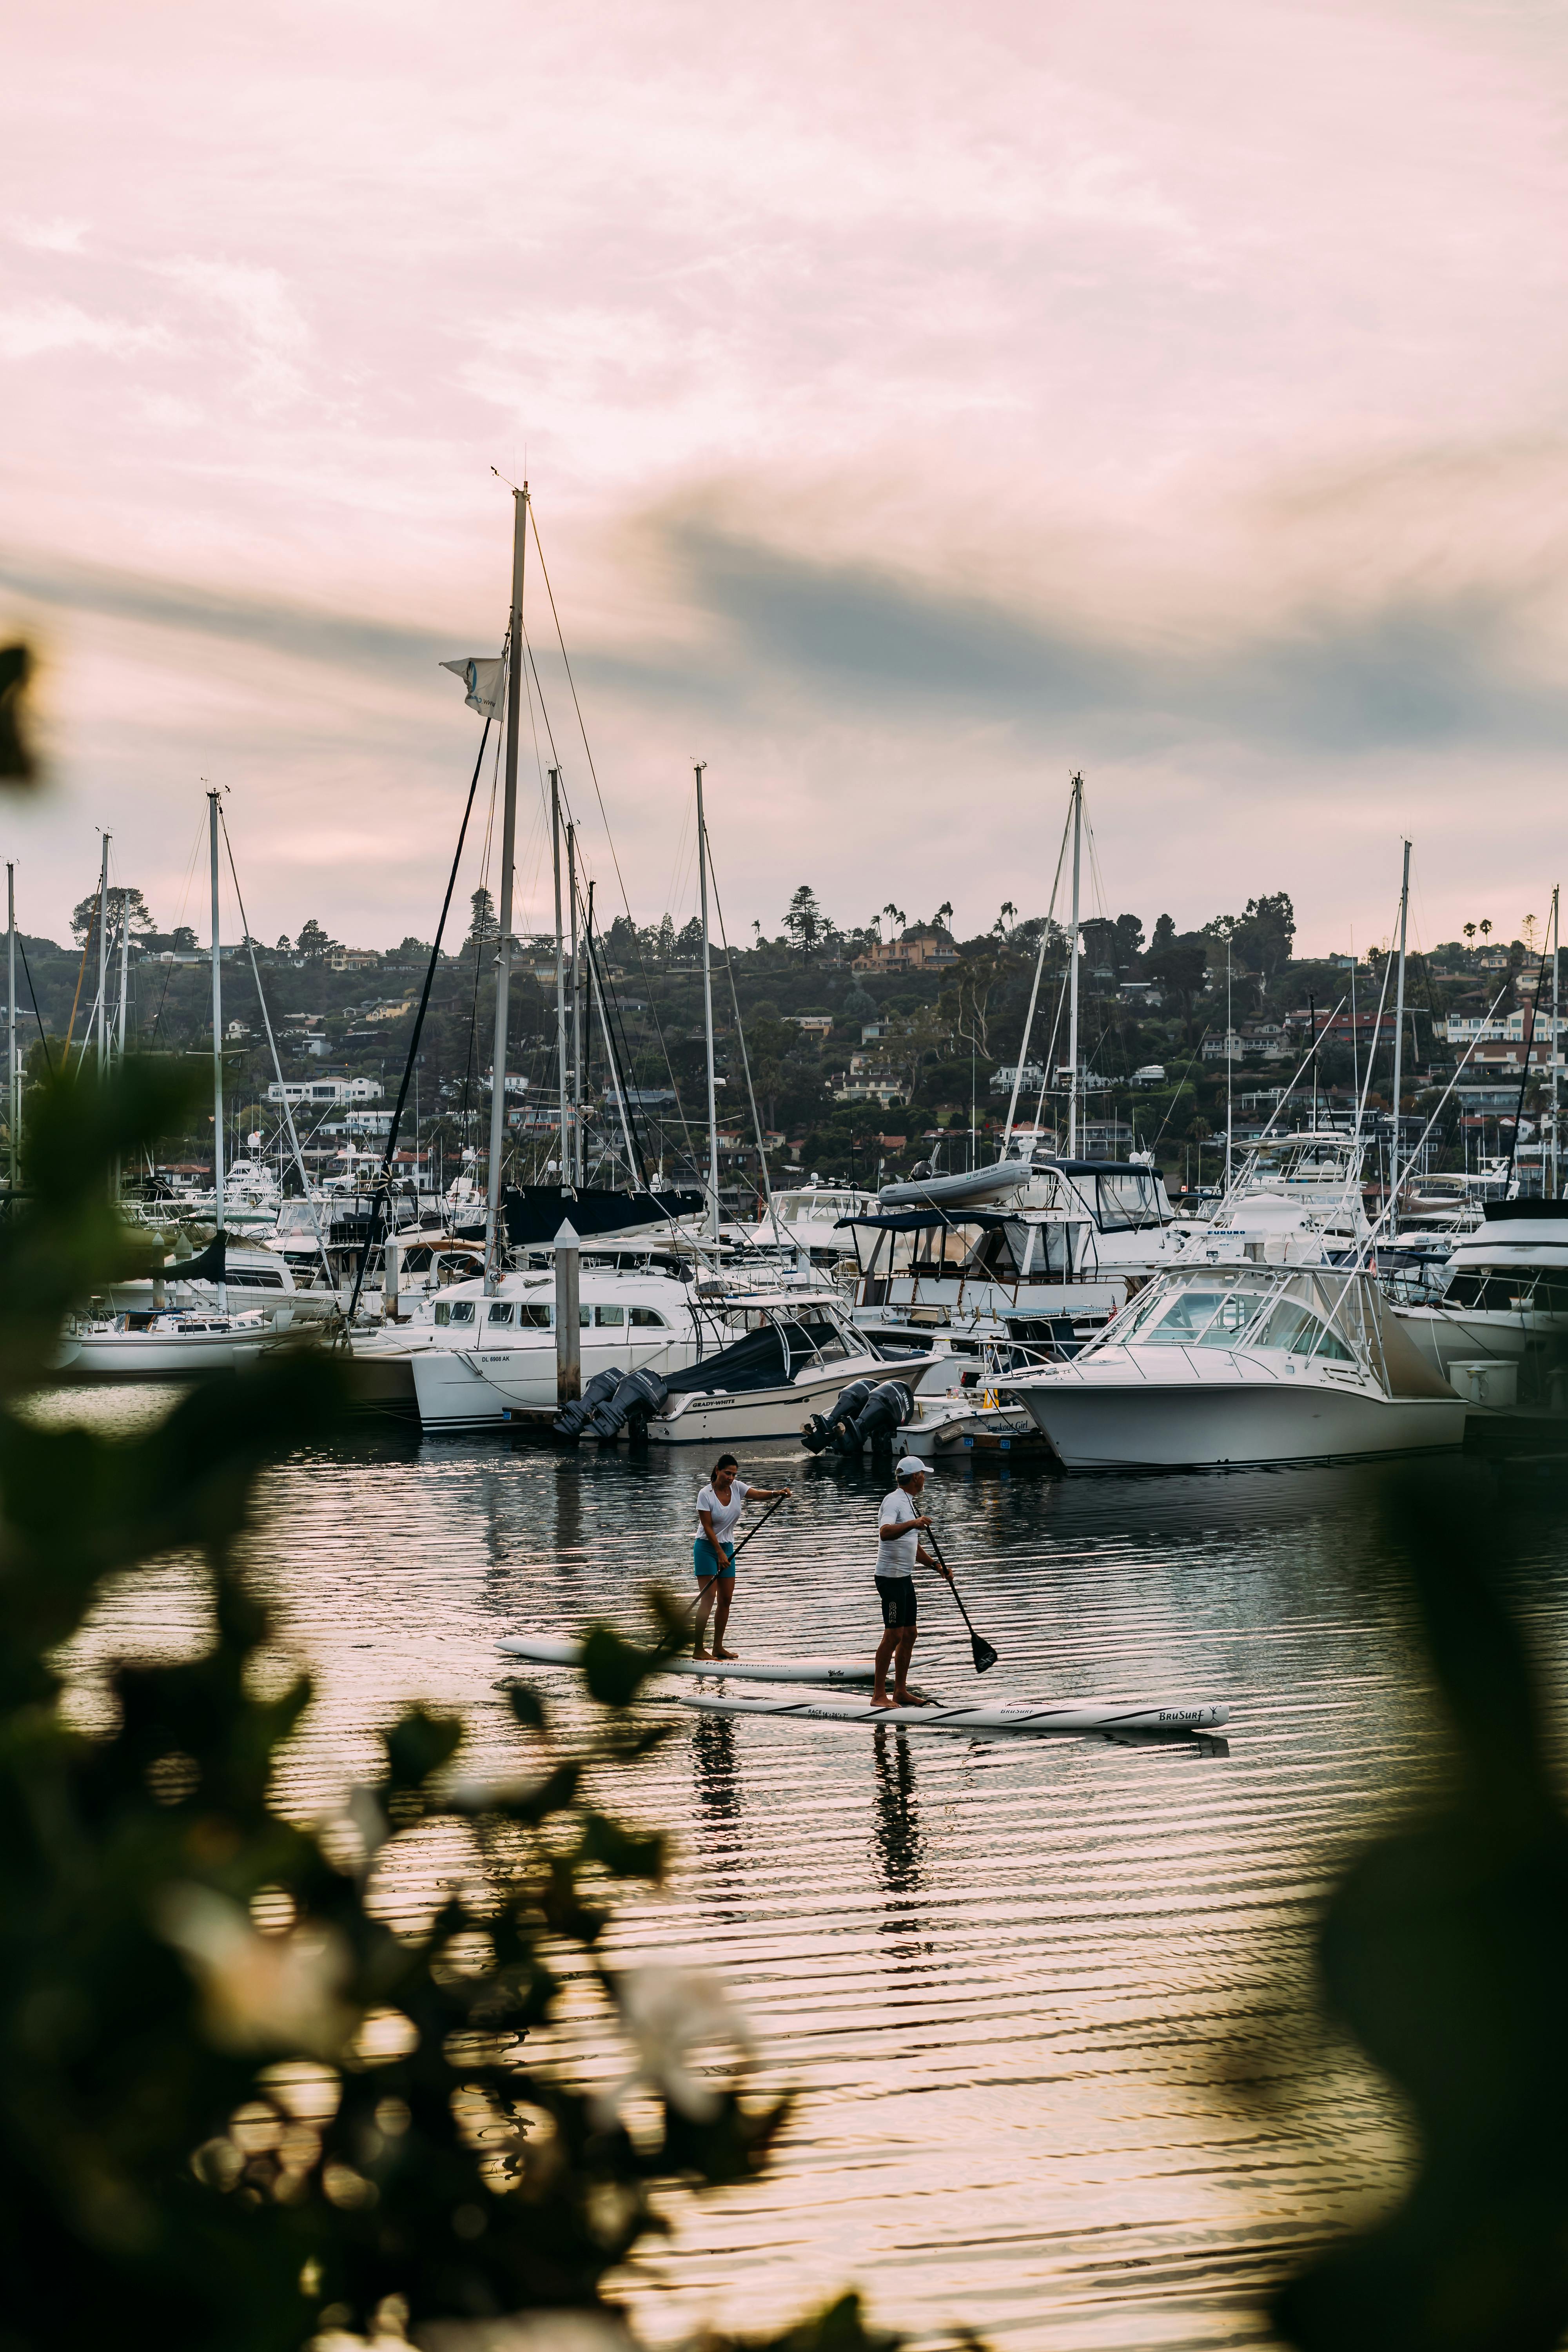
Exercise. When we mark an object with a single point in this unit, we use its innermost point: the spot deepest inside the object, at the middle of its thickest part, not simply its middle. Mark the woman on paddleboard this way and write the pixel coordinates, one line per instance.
(719, 1508)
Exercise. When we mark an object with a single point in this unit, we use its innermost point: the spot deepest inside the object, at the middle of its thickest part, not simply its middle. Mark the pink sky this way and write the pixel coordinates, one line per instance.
(919, 403)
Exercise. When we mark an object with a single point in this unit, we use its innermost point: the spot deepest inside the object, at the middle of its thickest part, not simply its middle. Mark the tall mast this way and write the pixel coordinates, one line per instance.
(707, 1011)
(576, 1007)
(1398, 1047)
(217, 1050)
(1229, 1066)
(1072, 970)
(125, 970)
(13, 1089)
(1556, 1028)
(563, 1149)
(503, 944)
(103, 952)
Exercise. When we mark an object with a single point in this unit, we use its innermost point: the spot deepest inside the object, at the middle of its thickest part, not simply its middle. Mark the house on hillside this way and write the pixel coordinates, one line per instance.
(919, 949)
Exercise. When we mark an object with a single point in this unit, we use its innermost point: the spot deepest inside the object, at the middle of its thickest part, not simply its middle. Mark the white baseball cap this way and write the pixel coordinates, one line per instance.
(910, 1468)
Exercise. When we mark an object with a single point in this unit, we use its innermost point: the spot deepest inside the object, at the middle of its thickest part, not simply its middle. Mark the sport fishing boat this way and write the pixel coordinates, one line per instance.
(799, 1351)
(1226, 1368)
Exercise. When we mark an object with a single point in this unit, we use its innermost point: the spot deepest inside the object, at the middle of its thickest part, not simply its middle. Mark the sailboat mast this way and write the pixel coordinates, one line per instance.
(1072, 970)
(101, 1038)
(1229, 1067)
(13, 1086)
(217, 1051)
(576, 1007)
(503, 944)
(1398, 1047)
(125, 970)
(564, 1153)
(707, 1011)
(1556, 1026)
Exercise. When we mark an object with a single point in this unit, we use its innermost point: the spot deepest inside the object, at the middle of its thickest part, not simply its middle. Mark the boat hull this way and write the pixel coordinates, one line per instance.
(484, 1388)
(158, 1356)
(747, 1416)
(1138, 1424)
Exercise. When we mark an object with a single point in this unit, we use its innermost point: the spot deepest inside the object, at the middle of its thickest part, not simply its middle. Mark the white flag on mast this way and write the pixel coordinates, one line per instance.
(484, 680)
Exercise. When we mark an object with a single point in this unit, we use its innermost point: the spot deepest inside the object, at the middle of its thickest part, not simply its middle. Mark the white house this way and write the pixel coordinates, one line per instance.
(323, 1090)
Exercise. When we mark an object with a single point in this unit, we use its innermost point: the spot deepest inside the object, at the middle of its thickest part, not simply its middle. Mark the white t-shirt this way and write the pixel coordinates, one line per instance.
(723, 1515)
(897, 1558)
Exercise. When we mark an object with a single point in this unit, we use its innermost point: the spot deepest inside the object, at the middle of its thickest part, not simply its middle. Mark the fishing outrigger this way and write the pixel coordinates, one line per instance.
(719, 1508)
(900, 1525)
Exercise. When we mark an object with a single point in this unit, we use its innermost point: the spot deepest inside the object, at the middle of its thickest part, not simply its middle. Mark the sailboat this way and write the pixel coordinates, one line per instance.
(156, 1342)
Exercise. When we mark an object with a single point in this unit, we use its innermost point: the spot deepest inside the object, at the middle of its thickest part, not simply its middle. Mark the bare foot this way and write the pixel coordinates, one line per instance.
(718, 1653)
(699, 1651)
(879, 1704)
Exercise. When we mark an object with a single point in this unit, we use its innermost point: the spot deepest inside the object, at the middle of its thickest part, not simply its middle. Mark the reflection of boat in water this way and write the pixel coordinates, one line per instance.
(1213, 1367)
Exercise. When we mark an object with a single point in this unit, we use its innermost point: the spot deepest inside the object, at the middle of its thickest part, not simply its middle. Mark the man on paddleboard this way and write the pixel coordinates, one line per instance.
(719, 1507)
(901, 1524)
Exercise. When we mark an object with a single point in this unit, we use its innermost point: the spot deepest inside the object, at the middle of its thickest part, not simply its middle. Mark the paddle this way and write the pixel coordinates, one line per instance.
(985, 1655)
(760, 1525)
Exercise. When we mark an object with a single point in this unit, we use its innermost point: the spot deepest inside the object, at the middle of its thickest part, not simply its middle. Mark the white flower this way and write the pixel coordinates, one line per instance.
(258, 1992)
(669, 2013)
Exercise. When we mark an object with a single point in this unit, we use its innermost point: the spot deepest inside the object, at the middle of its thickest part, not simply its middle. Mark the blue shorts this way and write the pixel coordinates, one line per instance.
(705, 1561)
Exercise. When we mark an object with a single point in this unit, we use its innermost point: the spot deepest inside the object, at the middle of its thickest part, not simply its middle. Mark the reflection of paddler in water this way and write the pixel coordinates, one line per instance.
(900, 1844)
(719, 1508)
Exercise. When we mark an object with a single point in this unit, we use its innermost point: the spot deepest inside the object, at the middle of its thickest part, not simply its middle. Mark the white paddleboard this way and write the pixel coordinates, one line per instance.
(755, 1670)
(1071, 1716)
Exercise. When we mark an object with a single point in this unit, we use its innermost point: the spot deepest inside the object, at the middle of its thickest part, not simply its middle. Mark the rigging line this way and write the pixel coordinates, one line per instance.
(81, 973)
(478, 949)
(185, 902)
(740, 1033)
(636, 1167)
(1034, 991)
(271, 1041)
(378, 1197)
(48, 1059)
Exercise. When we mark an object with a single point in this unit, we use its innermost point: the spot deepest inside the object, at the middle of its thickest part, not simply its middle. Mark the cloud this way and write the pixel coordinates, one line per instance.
(50, 325)
(1307, 666)
(353, 642)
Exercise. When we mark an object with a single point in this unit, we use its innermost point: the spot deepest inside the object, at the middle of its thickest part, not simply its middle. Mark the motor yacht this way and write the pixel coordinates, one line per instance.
(807, 1217)
(1223, 1367)
(466, 1360)
(1502, 1298)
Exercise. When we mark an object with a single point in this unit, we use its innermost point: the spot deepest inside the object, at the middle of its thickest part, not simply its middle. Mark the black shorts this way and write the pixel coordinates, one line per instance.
(898, 1601)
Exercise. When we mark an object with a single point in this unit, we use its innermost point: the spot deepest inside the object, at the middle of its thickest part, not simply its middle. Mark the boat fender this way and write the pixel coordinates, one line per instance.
(573, 1419)
(637, 1395)
(890, 1404)
(822, 1428)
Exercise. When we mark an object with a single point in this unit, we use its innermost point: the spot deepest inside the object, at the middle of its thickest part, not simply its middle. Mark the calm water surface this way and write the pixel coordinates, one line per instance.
(1045, 2004)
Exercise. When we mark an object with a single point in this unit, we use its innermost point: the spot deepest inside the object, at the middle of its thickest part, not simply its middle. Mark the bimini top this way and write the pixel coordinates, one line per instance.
(920, 1220)
(1508, 1213)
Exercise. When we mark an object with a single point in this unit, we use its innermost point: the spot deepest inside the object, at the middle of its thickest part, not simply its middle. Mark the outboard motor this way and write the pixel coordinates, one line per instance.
(637, 1395)
(890, 1404)
(573, 1419)
(822, 1428)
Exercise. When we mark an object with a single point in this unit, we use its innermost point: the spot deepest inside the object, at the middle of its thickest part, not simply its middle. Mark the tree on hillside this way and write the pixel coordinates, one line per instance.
(313, 943)
(1179, 965)
(131, 901)
(483, 926)
(803, 921)
(1164, 935)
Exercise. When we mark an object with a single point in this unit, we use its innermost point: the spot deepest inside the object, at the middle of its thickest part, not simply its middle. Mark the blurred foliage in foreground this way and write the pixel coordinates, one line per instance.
(1444, 1951)
(238, 2108)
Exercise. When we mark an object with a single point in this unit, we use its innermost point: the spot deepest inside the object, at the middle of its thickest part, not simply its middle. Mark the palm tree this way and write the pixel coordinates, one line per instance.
(1486, 931)
(896, 915)
(1469, 932)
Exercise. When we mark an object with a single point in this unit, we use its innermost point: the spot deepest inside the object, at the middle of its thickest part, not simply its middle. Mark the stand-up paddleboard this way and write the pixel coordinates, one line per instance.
(755, 1670)
(1069, 1718)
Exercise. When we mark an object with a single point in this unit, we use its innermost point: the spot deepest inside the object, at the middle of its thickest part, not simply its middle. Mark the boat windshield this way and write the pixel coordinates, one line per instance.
(1186, 1315)
(1299, 1332)
(1128, 1197)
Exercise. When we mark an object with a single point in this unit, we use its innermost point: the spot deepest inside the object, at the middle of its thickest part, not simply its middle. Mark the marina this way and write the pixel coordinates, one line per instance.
(1109, 2117)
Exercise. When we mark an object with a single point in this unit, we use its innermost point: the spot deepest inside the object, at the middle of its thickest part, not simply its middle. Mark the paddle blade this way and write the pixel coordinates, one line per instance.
(985, 1655)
